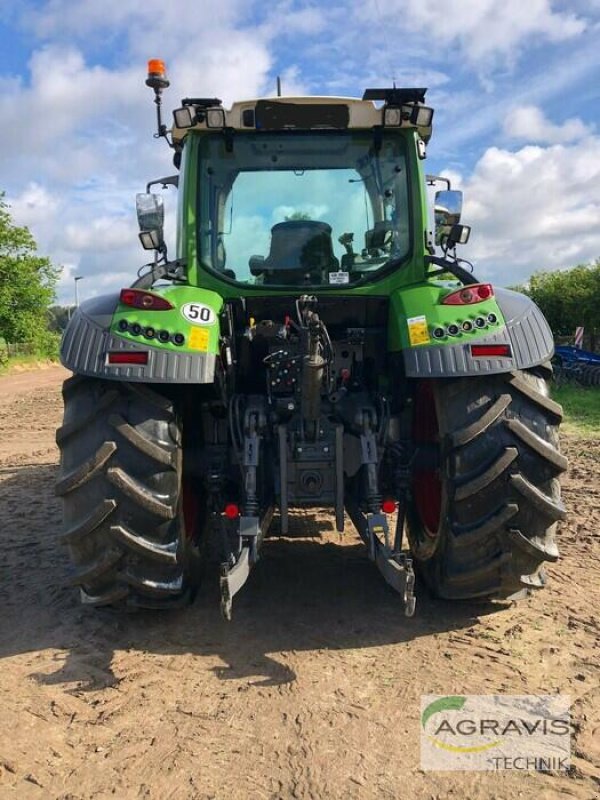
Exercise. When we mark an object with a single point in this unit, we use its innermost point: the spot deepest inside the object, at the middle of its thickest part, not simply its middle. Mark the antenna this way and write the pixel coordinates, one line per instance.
(278, 86)
(388, 49)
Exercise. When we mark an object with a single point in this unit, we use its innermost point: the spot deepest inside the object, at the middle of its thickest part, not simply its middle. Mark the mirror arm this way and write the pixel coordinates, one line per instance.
(433, 179)
(171, 180)
(451, 266)
(158, 271)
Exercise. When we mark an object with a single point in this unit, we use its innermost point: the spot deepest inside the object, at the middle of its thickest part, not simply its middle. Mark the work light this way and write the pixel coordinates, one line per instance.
(185, 117)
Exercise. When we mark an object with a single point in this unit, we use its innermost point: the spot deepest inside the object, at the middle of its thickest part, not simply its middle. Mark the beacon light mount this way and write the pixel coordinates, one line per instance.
(157, 80)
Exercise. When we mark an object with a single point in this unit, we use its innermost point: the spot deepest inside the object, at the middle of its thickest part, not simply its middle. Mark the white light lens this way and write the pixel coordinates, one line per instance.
(150, 240)
(423, 116)
(464, 234)
(420, 116)
(392, 116)
(215, 118)
(185, 117)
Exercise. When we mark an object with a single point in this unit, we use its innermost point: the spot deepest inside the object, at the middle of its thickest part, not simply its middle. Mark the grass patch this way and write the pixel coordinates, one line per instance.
(581, 405)
(25, 363)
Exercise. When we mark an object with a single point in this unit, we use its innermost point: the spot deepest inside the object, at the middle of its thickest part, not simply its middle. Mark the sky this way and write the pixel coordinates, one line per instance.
(514, 84)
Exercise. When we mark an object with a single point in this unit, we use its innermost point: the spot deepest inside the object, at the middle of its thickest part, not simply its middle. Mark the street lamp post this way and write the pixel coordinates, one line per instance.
(77, 278)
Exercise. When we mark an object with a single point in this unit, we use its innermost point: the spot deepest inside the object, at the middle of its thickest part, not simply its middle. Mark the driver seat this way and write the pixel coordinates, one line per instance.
(301, 252)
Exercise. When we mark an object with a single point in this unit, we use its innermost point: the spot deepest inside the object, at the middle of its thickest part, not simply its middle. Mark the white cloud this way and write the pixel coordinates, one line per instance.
(68, 121)
(529, 123)
(77, 129)
(285, 19)
(84, 130)
(536, 208)
(36, 205)
(87, 235)
(66, 93)
(101, 235)
(445, 45)
(466, 116)
(487, 28)
(157, 19)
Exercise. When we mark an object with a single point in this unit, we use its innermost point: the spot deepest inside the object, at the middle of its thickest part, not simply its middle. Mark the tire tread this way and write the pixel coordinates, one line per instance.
(120, 481)
(502, 496)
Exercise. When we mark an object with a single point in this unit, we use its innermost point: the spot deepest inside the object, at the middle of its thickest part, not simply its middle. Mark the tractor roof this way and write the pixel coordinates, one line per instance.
(395, 108)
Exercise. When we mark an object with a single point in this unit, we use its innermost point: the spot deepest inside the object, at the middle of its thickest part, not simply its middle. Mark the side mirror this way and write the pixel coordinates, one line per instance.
(151, 215)
(447, 209)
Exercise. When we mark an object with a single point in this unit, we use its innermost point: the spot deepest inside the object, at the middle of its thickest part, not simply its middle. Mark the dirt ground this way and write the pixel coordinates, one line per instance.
(312, 691)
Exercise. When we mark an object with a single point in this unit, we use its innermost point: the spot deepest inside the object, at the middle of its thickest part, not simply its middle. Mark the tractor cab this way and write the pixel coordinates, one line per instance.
(287, 207)
(312, 192)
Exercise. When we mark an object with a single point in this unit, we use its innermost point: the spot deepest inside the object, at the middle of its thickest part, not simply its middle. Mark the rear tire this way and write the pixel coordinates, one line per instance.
(121, 484)
(484, 524)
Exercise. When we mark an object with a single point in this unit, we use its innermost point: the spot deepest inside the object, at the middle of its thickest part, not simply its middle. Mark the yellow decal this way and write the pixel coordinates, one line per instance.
(199, 339)
(417, 330)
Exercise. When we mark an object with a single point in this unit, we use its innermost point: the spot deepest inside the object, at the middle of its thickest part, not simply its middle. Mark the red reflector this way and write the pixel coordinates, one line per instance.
(487, 350)
(232, 511)
(128, 357)
(468, 295)
(388, 506)
(136, 298)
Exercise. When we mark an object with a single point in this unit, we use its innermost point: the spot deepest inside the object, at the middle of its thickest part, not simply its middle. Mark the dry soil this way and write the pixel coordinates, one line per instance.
(311, 692)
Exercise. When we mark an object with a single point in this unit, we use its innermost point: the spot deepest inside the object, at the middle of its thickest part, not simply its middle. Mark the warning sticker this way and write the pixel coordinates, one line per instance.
(339, 277)
(417, 330)
(199, 339)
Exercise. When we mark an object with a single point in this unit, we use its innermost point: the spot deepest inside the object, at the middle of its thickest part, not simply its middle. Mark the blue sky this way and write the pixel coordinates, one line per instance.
(515, 86)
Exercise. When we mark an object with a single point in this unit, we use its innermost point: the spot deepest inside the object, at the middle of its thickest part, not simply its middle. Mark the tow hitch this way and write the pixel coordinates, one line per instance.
(236, 569)
(395, 566)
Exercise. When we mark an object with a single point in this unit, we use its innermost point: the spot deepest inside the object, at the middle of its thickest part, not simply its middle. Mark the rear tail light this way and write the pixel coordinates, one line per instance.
(468, 295)
(136, 298)
(232, 511)
(491, 350)
(128, 357)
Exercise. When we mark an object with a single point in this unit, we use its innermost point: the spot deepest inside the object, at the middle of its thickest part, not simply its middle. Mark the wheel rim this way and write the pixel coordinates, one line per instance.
(427, 486)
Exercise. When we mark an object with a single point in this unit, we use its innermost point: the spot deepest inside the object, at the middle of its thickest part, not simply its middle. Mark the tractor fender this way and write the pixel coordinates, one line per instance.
(88, 340)
(525, 330)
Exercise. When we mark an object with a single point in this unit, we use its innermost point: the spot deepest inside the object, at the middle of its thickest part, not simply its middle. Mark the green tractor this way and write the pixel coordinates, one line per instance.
(307, 348)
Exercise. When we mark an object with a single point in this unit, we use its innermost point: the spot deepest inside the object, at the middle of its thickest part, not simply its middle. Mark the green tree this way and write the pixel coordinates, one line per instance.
(27, 283)
(297, 215)
(569, 298)
(58, 318)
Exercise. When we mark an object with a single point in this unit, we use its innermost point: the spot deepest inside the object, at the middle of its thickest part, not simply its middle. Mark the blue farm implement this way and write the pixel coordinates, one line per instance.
(572, 363)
